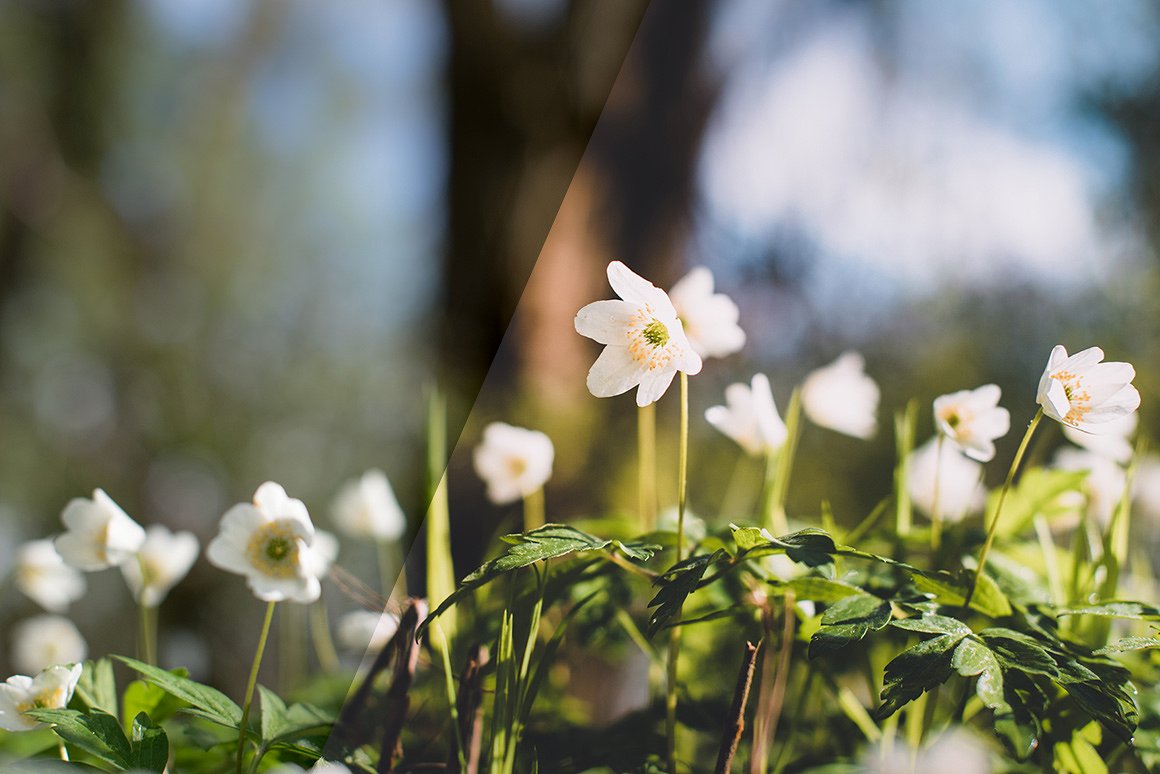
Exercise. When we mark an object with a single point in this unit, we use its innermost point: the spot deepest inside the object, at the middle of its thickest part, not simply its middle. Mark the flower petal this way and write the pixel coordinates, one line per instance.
(653, 386)
(606, 321)
(614, 372)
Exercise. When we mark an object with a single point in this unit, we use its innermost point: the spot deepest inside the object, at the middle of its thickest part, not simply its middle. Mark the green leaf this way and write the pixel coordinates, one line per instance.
(1132, 610)
(813, 547)
(1130, 643)
(822, 589)
(1037, 492)
(971, 658)
(280, 722)
(678, 582)
(149, 745)
(550, 541)
(915, 670)
(206, 702)
(1078, 756)
(848, 620)
(1016, 650)
(933, 624)
(97, 733)
(951, 590)
(1111, 711)
(748, 538)
(141, 696)
(97, 687)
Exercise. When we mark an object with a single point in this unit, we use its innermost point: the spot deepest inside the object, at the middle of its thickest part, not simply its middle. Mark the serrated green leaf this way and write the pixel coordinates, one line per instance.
(550, 541)
(915, 670)
(951, 590)
(676, 584)
(849, 620)
(97, 687)
(206, 702)
(1019, 651)
(1131, 610)
(97, 733)
(1130, 643)
(280, 722)
(971, 658)
(812, 547)
(748, 538)
(933, 624)
(1037, 492)
(141, 696)
(822, 589)
(1103, 705)
(149, 746)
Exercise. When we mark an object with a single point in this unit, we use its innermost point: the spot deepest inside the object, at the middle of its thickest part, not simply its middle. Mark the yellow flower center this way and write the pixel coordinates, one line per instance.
(1078, 397)
(273, 549)
(517, 466)
(649, 341)
(51, 700)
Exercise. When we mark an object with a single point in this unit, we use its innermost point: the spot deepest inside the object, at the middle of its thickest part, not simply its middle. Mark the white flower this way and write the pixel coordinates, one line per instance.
(750, 417)
(43, 576)
(513, 461)
(366, 630)
(957, 751)
(163, 561)
(44, 640)
(960, 490)
(842, 397)
(271, 543)
(645, 341)
(973, 419)
(99, 534)
(367, 507)
(1113, 441)
(709, 319)
(50, 689)
(1105, 482)
(1085, 393)
(324, 551)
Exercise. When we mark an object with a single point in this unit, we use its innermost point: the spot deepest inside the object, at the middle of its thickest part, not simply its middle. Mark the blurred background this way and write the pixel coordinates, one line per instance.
(243, 241)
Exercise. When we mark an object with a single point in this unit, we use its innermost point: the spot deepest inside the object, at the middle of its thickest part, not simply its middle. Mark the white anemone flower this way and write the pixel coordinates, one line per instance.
(514, 462)
(271, 543)
(645, 343)
(365, 630)
(324, 550)
(750, 417)
(1082, 392)
(1105, 482)
(163, 561)
(842, 397)
(1114, 442)
(99, 534)
(50, 689)
(973, 419)
(960, 489)
(709, 319)
(366, 507)
(44, 640)
(43, 576)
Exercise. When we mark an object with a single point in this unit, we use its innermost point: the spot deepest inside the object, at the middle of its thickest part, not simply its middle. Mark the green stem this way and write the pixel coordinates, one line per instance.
(251, 683)
(1047, 548)
(771, 518)
(935, 512)
(320, 635)
(147, 635)
(994, 527)
(904, 422)
(785, 459)
(534, 510)
(675, 638)
(440, 566)
(61, 749)
(646, 442)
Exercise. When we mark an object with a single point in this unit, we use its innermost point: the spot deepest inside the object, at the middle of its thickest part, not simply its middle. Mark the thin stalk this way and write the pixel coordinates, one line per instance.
(904, 422)
(534, 510)
(646, 444)
(147, 634)
(1047, 547)
(252, 683)
(785, 460)
(771, 518)
(385, 553)
(935, 511)
(440, 567)
(735, 723)
(452, 697)
(675, 638)
(994, 527)
(61, 749)
(320, 636)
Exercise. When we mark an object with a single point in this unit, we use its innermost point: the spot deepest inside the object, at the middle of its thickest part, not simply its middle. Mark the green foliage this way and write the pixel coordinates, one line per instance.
(99, 734)
(204, 701)
(848, 620)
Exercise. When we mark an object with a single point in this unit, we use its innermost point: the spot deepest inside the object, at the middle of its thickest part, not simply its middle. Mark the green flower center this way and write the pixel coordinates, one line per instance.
(273, 549)
(656, 334)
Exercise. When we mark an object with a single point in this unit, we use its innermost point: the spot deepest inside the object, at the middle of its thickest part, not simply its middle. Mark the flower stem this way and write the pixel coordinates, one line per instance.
(147, 633)
(675, 639)
(646, 442)
(779, 525)
(320, 636)
(935, 512)
(61, 749)
(252, 682)
(994, 527)
(534, 510)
